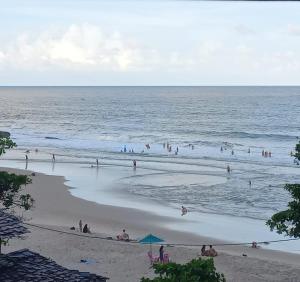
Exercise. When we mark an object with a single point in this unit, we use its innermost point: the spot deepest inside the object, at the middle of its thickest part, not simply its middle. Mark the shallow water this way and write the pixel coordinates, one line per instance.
(80, 124)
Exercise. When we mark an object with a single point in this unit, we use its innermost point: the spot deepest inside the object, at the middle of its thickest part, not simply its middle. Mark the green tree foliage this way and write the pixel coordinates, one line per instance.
(12, 184)
(288, 221)
(10, 187)
(197, 270)
(6, 143)
(297, 151)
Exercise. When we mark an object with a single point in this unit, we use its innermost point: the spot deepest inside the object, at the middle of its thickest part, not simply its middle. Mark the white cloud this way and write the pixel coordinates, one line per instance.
(243, 29)
(78, 46)
(293, 29)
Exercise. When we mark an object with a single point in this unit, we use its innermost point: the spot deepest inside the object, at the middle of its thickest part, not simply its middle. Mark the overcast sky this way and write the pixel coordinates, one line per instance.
(89, 42)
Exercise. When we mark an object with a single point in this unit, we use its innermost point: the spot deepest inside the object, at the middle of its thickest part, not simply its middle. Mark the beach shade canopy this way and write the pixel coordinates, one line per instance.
(151, 239)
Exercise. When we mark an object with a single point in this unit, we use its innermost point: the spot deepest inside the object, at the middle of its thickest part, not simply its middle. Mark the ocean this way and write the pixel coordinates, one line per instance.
(84, 123)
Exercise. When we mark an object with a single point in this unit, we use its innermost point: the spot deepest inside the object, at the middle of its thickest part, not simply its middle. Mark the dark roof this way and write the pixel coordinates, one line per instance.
(10, 226)
(25, 265)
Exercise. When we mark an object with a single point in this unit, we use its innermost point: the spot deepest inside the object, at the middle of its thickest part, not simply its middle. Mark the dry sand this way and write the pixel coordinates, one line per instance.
(56, 208)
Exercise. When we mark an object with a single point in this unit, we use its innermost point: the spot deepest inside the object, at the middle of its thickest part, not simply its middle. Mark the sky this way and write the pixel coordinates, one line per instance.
(97, 42)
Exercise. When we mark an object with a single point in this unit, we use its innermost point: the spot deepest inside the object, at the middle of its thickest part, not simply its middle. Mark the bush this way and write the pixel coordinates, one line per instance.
(197, 270)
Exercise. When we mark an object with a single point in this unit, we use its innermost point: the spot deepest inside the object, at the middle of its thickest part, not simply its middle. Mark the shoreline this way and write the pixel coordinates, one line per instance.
(106, 187)
(55, 207)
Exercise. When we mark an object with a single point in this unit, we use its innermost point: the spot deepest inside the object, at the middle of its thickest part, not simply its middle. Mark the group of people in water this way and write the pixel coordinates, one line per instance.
(169, 148)
(266, 154)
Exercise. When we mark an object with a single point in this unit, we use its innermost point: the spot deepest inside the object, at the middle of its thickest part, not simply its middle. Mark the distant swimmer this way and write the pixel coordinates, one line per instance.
(192, 147)
(270, 154)
(26, 158)
(177, 149)
(27, 151)
(134, 163)
(147, 146)
(249, 151)
(266, 154)
(170, 148)
(228, 169)
(232, 152)
(221, 149)
(250, 183)
(125, 149)
(183, 210)
(263, 153)
(53, 157)
(97, 162)
(36, 150)
(164, 145)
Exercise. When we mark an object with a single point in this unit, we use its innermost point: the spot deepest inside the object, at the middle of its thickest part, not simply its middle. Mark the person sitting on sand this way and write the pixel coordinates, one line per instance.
(254, 245)
(212, 252)
(124, 236)
(86, 229)
(204, 252)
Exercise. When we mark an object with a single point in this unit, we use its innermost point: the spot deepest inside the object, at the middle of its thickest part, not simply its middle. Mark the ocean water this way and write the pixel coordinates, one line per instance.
(80, 124)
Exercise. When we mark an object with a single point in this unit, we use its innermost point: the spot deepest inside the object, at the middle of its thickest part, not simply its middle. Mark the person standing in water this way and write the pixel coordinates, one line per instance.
(53, 157)
(228, 169)
(134, 163)
(26, 158)
(97, 162)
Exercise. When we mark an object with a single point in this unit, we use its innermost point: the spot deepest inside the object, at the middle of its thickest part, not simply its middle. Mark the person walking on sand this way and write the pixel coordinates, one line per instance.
(80, 225)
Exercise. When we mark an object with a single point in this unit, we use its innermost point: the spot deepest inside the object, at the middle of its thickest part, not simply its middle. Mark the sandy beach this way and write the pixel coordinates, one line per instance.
(55, 208)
